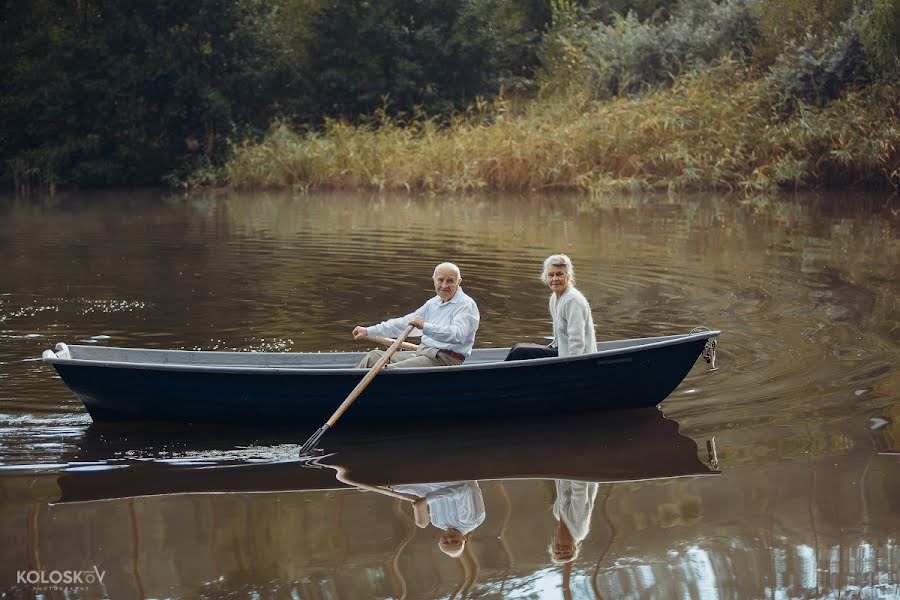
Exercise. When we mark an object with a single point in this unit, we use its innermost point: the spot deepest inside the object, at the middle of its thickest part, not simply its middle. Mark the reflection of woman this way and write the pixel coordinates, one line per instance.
(572, 508)
(456, 507)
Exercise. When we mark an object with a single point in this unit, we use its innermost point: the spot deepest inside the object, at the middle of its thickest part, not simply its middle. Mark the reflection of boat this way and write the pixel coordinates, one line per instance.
(120, 384)
(886, 431)
(611, 446)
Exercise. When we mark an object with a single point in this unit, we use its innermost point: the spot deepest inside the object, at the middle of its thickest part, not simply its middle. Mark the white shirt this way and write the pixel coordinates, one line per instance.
(574, 505)
(449, 325)
(456, 504)
(573, 325)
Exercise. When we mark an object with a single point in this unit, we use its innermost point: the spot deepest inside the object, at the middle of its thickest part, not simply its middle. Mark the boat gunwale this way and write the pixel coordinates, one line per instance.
(207, 368)
(349, 488)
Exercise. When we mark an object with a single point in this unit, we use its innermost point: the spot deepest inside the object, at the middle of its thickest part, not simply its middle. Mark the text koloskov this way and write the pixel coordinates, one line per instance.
(61, 577)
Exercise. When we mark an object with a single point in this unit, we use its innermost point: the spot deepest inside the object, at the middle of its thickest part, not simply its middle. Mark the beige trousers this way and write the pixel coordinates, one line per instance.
(425, 356)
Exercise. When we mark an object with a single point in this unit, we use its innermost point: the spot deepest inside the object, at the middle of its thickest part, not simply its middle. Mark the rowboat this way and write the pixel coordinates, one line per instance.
(124, 460)
(285, 388)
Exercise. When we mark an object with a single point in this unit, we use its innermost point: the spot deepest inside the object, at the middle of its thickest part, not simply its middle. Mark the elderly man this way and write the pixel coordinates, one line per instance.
(573, 325)
(456, 507)
(447, 324)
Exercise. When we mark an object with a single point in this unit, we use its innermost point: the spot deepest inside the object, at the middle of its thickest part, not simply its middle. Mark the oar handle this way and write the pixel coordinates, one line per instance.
(388, 341)
(369, 376)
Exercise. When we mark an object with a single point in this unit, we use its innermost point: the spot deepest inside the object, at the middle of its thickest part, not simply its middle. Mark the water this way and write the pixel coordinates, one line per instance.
(804, 407)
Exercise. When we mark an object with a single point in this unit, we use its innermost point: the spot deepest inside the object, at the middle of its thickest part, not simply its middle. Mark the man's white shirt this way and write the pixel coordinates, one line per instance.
(449, 325)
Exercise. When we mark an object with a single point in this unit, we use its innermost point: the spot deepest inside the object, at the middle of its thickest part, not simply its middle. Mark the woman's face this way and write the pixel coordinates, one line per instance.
(563, 548)
(557, 278)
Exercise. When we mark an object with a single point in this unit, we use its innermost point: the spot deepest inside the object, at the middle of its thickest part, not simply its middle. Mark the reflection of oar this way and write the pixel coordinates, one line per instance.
(341, 475)
(421, 513)
(314, 438)
(389, 341)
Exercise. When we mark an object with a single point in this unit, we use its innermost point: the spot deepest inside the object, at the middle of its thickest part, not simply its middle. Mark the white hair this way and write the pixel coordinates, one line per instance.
(447, 265)
(559, 260)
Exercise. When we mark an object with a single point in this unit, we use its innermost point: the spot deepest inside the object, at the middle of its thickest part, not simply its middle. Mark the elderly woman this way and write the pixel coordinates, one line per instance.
(573, 326)
(572, 509)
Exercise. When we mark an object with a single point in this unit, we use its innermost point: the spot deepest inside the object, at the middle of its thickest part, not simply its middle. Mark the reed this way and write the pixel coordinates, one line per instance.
(713, 129)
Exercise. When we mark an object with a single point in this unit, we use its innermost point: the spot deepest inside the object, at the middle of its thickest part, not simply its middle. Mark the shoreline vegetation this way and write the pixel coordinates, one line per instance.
(747, 96)
(712, 130)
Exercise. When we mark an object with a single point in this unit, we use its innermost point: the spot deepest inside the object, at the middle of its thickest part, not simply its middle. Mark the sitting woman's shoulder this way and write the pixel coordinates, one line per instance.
(573, 295)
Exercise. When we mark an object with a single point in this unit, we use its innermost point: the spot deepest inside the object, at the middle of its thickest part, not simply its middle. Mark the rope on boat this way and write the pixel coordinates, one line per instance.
(709, 350)
(713, 462)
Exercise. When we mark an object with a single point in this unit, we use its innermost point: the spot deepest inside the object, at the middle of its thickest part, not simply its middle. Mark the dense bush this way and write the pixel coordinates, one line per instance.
(803, 74)
(628, 55)
(714, 128)
(878, 22)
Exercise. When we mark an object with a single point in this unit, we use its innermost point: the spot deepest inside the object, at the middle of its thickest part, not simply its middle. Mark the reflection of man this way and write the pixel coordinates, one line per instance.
(456, 507)
(572, 508)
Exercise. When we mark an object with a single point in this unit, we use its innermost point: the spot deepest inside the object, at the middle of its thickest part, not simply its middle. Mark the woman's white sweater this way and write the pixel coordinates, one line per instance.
(573, 326)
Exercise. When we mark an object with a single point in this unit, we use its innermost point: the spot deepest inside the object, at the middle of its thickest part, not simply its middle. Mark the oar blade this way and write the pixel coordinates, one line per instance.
(310, 444)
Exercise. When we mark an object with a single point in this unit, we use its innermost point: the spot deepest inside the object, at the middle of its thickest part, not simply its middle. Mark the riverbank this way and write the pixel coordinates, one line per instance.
(714, 129)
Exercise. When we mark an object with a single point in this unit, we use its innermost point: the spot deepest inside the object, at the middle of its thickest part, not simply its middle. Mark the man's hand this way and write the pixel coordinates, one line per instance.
(417, 322)
(421, 514)
(360, 332)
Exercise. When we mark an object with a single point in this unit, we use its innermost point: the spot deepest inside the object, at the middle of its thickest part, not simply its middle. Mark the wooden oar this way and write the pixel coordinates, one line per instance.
(389, 341)
(341, 475)
(421, 513)
(314, 438)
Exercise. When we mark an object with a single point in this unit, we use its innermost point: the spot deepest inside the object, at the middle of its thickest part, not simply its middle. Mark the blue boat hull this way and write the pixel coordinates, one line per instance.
(643, 377)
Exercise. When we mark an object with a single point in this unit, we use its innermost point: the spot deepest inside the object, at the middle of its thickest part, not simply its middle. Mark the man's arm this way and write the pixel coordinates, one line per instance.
(421, 512)
(394, 327)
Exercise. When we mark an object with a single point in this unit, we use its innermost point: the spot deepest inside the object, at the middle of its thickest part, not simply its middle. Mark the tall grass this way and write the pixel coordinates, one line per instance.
(714, 129)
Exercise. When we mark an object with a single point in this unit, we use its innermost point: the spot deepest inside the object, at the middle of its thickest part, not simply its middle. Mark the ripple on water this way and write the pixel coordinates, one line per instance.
(53, 420)
(22, 307)
(800, 317)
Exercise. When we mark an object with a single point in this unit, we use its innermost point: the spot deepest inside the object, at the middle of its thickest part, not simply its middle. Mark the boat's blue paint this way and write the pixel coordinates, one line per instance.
(640, 377)
(604, 446)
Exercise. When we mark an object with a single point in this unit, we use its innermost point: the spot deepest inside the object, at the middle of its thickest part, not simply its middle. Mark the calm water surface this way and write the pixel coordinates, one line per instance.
(804, 409)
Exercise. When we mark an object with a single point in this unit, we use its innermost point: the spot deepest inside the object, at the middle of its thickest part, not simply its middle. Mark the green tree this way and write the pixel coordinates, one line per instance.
(125, 92)
(879, 25)
(437, 54)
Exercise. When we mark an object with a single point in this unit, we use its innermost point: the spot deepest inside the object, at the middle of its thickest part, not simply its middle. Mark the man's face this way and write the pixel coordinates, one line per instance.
(446, 283)
(452, 542)
(557, 278)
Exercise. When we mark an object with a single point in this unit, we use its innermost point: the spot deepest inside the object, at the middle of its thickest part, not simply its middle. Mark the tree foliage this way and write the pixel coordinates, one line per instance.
(627, 55)
(434, 54)
(879, 27)
(108, 93)
(135, 92)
